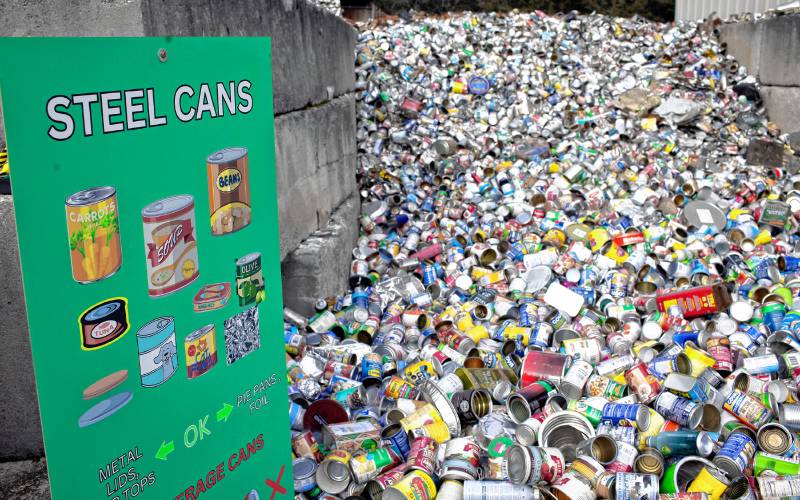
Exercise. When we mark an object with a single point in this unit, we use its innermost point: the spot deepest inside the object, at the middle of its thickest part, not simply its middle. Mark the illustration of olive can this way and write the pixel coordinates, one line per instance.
(201, 351)
(249, 279)
(158, 351)
(93, 230)
(170, 244)
(228, 190)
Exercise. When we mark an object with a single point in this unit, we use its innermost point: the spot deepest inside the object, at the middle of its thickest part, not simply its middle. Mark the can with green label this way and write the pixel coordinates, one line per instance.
(783, 466)
(249, 279)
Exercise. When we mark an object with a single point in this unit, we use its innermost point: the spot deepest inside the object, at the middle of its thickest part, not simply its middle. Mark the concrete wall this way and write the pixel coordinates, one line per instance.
(770, 49)
(313, 81)
(693, 10)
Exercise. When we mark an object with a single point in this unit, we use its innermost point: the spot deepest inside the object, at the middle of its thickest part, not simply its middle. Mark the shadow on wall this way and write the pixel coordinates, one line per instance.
(658, 10)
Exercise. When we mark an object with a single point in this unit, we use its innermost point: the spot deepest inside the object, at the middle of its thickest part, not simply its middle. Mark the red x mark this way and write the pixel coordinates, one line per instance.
(276, 486)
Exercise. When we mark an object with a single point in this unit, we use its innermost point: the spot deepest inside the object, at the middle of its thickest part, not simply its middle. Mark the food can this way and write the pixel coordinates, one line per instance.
(249, 279)
(104, 323)
(573, 486)
(158, 351)
(774, 488)
(304, 445)
(736, 454)
(397, 438)
(497, 490)
(93, 234)
(304, 474)
(228, 190)
(710, 480)
(422, 455)
(602, 448)
(333, 474)
(575, 379)
(749, 410)
(632, 486)
(450, 490)
(776, 439)
(170, 244)
(680, 410)
(377, 486)
(367, 466)
(627, 415)
(201, 351)
(643, 383)
(472, 404)
(649, 461)
(777, 464)
(416, 485)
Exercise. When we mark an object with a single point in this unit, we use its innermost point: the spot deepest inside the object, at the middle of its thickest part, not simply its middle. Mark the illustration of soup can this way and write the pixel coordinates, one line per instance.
(228, 190)
(170, 244)
(93, 231)
(201, 351)
(158, 351)
(249, 279)
(103, 323)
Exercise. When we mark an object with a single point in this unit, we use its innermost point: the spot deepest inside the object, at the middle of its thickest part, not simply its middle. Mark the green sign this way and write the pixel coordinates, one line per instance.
(144, 188)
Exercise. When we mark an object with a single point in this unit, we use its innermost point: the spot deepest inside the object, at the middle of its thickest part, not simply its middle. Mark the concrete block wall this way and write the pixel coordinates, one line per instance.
(313, 84)
(770, 49)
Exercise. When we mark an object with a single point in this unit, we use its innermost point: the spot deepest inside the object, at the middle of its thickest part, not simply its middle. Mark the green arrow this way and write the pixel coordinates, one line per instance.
(224, 413)
(165, 449)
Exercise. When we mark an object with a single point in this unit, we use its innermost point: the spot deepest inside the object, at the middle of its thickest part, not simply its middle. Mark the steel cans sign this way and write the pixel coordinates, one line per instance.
(159, 172)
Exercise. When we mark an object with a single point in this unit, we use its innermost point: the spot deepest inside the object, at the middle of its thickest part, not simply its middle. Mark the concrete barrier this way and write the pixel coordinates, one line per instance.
(313, 82)
(770, 48)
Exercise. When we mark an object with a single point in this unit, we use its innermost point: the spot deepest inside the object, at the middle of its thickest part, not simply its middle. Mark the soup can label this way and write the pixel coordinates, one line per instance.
(170, 244)
(201, 351)
(416, 485)
(93, 232)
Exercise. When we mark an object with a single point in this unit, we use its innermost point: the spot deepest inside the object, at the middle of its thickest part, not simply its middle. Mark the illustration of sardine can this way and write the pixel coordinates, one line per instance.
(93, 232)
(170, 244)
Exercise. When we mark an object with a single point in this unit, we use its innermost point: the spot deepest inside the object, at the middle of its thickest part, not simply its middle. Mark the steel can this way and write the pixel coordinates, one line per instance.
(643, 383)
(170, 244)
(158, 351)
(627, 415)
(304, 474)
(736, 454)
(201, 351)
(472, 404)
(747, 409)
(416, 485)
(333, 474)
(228, 190)
(631, 486)
(93, 234)
(249, 279)
(680, 410)
(497, 490)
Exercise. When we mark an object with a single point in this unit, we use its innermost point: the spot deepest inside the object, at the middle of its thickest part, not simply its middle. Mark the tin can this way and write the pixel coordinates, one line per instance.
(565, 430)
(631, 486)
(576, 378)
(605, 387)
(158, 353)
(538, 365)
(377, 486)
(472, 404)
(680, 410)
(534, 464)
(201, 351)
(627, 415)
(304, 474)
(776, 464)
(523, 403)
(170, 244)
(497, 490)
(710, 480)
(573, 486)
(773, 488)
(422, 455)
(333, 474)
(626, 457)
(776, 439)
(367, 466)
(249, 279)
(747, 409)
(602, 448)
(93, 234)
(228, 190)
(643, 383)
(351, 436)
(649, 461)
(304, 445)
(736, 454)
(416, 485)
(397, 438)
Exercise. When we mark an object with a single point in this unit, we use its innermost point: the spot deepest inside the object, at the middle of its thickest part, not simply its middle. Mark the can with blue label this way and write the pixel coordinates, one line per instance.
(736, 454)
(371, 366)
(682, 411)
(478, 85)
(627, 415)
(428, 274)
(397, 438)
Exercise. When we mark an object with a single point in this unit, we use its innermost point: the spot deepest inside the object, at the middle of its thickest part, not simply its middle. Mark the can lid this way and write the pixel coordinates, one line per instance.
(90, 196)
(227, 155)
(304, 468)
(642, 417)
(703, 213)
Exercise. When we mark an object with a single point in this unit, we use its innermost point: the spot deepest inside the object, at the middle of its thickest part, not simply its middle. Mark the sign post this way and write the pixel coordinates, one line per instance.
(144, 189)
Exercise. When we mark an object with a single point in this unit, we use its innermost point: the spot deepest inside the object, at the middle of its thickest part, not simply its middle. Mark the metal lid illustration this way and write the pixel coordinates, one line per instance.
(104, 409)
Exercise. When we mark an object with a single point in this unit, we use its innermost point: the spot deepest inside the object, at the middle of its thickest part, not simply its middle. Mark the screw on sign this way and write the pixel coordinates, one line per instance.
(577, 273)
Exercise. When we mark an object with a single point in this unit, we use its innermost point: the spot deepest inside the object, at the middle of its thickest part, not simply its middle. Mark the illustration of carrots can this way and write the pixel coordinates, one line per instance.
(170, 244)
(93, 230)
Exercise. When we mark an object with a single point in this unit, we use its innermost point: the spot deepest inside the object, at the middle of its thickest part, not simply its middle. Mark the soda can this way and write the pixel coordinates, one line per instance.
(627, 415)
(415, 485)
(736, 454)
(680, 410)
(632, 486)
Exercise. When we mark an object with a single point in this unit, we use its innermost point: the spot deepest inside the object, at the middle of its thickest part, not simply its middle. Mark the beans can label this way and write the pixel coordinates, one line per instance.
(170, 244)
(93, 232)
(228, 190)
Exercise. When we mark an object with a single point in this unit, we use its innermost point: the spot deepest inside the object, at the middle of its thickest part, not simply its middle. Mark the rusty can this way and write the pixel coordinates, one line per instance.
(228, 190)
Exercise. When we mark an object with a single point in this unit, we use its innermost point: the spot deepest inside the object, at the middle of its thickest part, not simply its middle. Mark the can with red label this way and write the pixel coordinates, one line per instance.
(643, 383)
(170, 244)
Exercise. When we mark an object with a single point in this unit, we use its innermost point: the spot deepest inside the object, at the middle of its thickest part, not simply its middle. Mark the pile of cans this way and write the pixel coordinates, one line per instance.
(575, 277)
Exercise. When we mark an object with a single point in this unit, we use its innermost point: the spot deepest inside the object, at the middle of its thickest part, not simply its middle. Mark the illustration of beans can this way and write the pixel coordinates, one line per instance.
(228, 190)
(93, 231)
(249, 279)
(170, 244)
(201, 351)
(158, 351)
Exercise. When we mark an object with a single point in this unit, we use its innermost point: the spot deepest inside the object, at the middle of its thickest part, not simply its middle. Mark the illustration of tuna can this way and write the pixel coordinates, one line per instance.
(249, 279)
(93, 231)
(103, 323)
(170, 244)
(201, 351)
(228, 190)
(158, 351)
